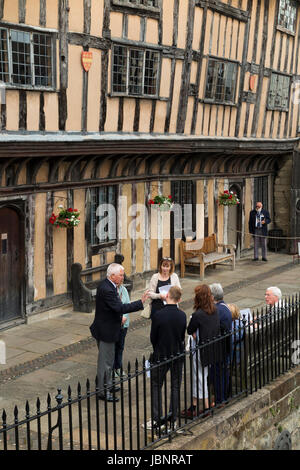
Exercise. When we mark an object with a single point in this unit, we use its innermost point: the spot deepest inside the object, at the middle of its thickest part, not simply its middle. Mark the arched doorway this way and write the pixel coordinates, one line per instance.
(11, 264)
(234, 221)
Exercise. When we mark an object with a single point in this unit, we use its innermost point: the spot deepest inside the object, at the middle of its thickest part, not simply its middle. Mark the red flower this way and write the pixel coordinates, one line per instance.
(226, 192)
(230, 197)
(151, 201)
(70, 209)
(170, 197)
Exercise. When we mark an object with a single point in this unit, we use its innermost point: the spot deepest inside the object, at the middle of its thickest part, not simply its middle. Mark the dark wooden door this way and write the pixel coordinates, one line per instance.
(11, 265)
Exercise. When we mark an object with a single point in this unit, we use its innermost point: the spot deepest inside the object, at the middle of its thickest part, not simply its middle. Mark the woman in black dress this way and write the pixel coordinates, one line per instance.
(204, 325)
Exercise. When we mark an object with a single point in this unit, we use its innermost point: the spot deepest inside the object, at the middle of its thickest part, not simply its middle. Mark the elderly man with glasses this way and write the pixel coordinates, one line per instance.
(259, 218)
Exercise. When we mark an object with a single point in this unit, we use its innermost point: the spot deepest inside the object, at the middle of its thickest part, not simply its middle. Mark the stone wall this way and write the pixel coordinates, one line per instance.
(282, 193)
(253, 423)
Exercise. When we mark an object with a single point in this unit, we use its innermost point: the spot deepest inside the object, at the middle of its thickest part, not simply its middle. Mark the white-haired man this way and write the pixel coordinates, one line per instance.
(273, 296)
(107, 323)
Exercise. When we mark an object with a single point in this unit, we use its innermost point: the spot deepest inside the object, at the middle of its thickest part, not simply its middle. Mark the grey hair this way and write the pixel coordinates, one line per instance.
(114, 268)
(217, 291)
(275, 291)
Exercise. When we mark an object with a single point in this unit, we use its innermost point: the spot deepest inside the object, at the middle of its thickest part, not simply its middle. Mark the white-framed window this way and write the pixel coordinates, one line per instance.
(221, 81)
(135, 71)
(287, 15)
(278, 96)
(26, 58)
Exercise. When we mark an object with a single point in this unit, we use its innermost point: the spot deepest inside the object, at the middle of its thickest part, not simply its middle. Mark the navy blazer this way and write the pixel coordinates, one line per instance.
(167, 332)
(109, 312)
(252, 219)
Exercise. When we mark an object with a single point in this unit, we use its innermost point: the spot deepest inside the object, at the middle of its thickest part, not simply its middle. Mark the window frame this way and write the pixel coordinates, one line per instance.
(278, 108)
(129, 48)
(10, 84)
(95, 247)
(139, 6)
(234, 92)
(292, 4)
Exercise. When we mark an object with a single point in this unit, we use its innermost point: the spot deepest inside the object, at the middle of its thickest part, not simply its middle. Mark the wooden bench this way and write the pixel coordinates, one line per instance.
(197, 252)
(84, 293)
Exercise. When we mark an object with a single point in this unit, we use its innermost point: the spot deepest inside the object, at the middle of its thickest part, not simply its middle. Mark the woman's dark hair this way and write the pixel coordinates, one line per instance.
(204, 300)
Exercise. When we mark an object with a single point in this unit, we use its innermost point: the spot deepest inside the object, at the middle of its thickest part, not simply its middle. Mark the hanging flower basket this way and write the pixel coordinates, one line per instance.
(67, 218)
(161, 203)
(228, 199)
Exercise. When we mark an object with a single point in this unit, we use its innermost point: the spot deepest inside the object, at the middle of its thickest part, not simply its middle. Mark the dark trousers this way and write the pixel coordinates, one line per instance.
(158, 378)
(219, 378)
(119, 348)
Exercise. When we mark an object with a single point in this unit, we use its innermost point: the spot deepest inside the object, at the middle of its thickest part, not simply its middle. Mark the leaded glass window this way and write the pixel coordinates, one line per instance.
(287, 14)
(278, 97)
(221, 81)
(26, 58)
(135, 71)
(103, 214)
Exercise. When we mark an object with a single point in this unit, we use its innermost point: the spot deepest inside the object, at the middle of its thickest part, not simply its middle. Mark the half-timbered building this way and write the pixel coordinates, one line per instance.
(116, 101)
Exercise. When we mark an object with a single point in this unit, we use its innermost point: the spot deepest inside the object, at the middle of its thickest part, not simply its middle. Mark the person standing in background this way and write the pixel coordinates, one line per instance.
(259, 218)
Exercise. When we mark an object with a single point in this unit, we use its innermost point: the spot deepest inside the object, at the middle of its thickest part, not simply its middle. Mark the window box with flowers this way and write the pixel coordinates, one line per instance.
(228, 198)
(67, 218)
(162, 203)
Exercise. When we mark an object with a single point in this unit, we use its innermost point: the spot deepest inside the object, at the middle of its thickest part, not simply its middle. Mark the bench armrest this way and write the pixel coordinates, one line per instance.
(231, 247)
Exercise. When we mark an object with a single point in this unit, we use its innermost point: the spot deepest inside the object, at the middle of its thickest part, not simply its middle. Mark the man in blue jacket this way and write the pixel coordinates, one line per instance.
(219, 373)
(259, 218)
(107, 323)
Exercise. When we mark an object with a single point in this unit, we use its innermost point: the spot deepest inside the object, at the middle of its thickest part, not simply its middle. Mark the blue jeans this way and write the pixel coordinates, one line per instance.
(119, 348)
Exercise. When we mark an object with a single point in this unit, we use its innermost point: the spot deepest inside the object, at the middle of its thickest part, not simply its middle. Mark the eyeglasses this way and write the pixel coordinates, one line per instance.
(166, 259)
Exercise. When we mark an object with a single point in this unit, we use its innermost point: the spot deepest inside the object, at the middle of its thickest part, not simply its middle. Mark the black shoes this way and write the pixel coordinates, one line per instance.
(264, 259)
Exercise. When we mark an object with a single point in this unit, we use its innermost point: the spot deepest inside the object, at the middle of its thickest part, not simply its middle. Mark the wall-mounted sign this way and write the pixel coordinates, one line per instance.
(252, 82)
(86, 60)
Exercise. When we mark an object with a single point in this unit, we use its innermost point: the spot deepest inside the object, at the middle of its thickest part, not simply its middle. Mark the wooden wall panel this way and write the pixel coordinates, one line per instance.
(33, 111)
(116, 24)
(39, 248)
(97, 17)
(76, 15)
(167, 21)
(52, 14)
(32, 12)
(12, 110)
(74, 91)
(11, 11)
(94, 85)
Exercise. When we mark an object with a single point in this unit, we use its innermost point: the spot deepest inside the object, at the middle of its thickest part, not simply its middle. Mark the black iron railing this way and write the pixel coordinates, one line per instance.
(242, 361)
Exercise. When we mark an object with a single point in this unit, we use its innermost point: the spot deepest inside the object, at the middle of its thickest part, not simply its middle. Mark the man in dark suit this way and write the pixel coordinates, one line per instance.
(107, 323)
(219, 372)
(167, 338)
(259, 218)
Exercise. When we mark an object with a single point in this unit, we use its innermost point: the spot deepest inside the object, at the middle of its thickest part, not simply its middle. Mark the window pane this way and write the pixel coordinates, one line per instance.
(21, 69)
(278, 97)
(103, 225)
(4, 71)
(42, 50)
(221, 81)
(287, 14)
(136, 59)
(151, 71)
(119, 77)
